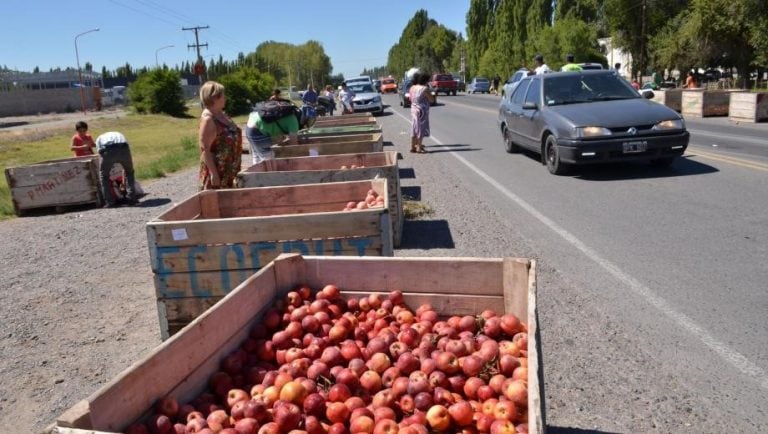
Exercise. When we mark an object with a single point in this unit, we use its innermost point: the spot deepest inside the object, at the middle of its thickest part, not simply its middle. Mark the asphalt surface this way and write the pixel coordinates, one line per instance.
(652, 282)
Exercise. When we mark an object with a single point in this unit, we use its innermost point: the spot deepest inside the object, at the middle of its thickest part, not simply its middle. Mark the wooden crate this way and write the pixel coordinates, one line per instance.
(181, 366)
(339, 121)
(370, 137)
(340, 131)
(672, 98)
(327, 168)
(748, 106)
(306, 150)
(55, 183)
(704, 103)
(204, 247)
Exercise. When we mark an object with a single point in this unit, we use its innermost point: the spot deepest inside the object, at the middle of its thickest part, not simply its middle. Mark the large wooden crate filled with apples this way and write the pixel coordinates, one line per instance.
(375, 323)
(332, 168)
(55, 183)
(204, 247)
(315, 149)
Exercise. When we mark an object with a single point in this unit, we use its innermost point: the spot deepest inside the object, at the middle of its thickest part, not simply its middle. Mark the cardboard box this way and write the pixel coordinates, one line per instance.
(181, 366)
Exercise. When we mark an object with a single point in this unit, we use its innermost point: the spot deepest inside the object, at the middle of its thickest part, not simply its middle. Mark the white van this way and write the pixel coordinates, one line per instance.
(361, 79)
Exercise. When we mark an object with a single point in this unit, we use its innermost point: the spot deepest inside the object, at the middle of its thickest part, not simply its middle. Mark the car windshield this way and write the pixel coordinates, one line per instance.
(443, 78)
(578, 88)
(361, 88)
(388, 81)
(481, 80)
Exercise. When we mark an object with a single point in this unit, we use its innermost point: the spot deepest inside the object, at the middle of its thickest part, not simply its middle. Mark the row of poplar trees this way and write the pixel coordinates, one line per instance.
(504, 35)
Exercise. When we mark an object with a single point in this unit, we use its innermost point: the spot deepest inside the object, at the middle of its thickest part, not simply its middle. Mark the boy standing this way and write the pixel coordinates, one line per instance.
(82, 142)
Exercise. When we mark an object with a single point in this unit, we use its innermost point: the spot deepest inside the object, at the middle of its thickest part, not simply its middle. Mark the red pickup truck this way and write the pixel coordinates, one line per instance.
(443, 83)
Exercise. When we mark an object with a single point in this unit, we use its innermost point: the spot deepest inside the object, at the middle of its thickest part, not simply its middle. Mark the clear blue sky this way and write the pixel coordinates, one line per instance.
(355, 34)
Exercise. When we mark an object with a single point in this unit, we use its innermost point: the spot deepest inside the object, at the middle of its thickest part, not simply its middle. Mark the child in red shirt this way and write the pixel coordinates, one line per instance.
(82, 142)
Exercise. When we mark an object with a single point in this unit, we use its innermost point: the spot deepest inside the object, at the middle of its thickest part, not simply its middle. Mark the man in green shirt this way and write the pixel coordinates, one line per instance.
(569, 65)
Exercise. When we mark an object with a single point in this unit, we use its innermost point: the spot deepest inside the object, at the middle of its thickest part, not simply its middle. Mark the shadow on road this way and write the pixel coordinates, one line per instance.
(152, 203)
(434, 149)
(385, 144)
(683, 166)
(567, 430)
(411, 193)
(406, 173)
(426, 234)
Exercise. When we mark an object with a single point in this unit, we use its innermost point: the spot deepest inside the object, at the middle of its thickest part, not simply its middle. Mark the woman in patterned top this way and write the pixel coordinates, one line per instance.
(220, 140)
(421, 97)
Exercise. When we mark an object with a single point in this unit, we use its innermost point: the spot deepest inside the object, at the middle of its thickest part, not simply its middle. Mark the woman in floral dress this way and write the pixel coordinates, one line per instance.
(220, 141)
(421, 97)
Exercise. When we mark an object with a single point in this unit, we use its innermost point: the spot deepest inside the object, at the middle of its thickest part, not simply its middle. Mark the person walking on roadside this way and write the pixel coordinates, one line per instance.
(310, 96)
(346, 96)
(421, 97)
(569, 65)
(331, 98)
(541, 67)
(82, 142)
(113, 149)
(220, 140)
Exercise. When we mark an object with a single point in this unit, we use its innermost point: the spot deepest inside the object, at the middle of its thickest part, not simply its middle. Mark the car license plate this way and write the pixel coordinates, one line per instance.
(634, 147)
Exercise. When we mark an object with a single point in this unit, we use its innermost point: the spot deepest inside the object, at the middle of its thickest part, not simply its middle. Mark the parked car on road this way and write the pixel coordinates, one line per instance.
(479, 84)
(461, 86)
(377, 85)
(589, 117)
(443, 83)
(510, 84)
(366, 99)
(360, 79)
(589, 66)
(405, 99)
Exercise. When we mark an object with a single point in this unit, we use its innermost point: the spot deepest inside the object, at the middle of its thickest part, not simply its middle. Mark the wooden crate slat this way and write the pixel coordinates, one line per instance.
(304, 150)
(748, 106)
(364, 137)
(250, 256)
(50, 174)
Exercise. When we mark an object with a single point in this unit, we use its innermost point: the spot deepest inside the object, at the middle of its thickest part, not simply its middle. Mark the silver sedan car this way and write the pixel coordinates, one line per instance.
(367, 99)
(589, 117)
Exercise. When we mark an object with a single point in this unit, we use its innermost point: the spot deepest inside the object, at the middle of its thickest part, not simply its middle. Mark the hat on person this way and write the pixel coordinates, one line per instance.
(538, 57)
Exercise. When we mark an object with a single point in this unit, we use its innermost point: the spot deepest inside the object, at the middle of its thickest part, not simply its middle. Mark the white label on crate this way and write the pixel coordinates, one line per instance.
(179, 234)
(313, 152)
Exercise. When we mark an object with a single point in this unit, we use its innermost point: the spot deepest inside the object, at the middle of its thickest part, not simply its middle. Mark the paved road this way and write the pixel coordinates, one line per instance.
(652, 282)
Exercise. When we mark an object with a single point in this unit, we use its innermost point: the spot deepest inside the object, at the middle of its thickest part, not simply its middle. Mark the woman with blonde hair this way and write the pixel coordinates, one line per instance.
(220, 140)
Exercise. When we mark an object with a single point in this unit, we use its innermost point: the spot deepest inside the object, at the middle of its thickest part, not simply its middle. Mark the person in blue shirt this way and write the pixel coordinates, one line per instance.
(310, 96)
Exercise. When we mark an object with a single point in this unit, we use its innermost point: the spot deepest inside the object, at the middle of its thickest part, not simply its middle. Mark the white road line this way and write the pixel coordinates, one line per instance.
(736, 359)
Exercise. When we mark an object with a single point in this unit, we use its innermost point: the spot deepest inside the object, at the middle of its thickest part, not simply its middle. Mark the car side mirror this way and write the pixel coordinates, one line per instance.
(530, 105)
(648, 94)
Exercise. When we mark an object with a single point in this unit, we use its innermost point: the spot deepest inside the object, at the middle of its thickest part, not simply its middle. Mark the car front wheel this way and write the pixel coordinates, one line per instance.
(552, 157)
(509, 145)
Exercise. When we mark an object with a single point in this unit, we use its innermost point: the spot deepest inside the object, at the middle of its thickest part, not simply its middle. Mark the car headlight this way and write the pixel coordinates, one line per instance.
(592, 132)
(377, 99)
(672, 124)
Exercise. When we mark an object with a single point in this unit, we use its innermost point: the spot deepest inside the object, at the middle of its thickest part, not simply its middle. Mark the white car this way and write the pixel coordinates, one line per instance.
(358, 80)
(510, 84)
(367, 99)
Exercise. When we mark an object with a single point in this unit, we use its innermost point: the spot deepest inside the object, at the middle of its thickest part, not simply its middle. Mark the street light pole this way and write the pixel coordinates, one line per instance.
(79, 71)
(157, 64)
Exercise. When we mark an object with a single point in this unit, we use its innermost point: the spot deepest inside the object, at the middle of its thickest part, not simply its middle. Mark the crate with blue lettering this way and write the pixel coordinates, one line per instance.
(205, 246)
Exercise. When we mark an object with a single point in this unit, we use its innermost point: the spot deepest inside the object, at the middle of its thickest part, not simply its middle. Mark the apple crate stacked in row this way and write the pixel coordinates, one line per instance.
(470, 322)
(329, 195)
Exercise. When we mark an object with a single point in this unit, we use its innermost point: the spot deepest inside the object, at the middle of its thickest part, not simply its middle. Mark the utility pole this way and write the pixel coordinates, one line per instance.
(199, 70)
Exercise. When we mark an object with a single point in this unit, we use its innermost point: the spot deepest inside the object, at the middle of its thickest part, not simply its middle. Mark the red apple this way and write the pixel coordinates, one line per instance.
(438, 418)
(337, 412)
(461, 413)
(247, 426)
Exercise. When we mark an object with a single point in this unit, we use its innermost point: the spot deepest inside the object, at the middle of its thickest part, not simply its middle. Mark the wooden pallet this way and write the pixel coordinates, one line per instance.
(315, 149)
(180, 367)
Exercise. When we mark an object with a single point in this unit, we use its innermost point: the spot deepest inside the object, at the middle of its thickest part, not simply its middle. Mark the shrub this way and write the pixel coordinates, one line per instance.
(157, 91)
(243, 85)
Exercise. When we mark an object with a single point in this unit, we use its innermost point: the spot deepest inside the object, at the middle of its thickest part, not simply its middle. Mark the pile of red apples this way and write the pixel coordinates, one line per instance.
(322, 364)
(372, 200)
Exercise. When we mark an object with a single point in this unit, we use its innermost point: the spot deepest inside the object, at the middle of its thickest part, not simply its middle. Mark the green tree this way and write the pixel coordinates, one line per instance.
(480, 22)
(244, 87)
(424, 44)
(157, 91)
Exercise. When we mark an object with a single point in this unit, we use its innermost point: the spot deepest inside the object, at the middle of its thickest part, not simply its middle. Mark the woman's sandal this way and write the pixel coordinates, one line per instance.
(420, 151)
